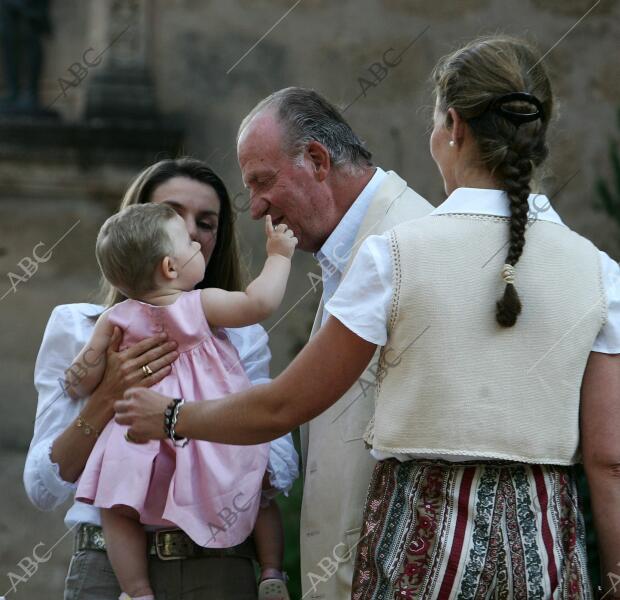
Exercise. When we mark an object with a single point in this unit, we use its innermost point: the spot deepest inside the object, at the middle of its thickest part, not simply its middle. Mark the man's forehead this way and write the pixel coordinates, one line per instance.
(261, 137)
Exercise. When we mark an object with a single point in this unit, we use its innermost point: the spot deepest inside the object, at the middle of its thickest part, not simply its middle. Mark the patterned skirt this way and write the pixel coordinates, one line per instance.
(469, 531)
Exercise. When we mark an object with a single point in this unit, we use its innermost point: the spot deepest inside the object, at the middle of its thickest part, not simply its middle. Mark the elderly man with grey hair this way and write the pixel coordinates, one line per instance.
(304, 166)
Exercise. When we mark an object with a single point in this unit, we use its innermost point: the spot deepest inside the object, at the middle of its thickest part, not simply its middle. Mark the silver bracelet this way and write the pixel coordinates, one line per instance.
(178, 442)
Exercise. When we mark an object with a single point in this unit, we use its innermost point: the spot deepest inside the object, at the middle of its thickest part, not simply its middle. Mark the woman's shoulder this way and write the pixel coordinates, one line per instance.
(609, 263)
(78, 310)
(67, 329)
(65, 316)
(610, 271)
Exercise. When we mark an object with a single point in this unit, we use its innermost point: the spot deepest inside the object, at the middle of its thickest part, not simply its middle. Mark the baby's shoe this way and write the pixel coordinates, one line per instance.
(273, 589)
(125, 596)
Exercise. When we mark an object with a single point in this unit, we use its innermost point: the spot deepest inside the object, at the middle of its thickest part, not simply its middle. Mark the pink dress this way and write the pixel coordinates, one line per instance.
(210, 491)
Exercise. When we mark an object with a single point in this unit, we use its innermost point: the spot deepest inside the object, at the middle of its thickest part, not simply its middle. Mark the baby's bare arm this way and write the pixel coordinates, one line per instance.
(263, 296)
(86, 371)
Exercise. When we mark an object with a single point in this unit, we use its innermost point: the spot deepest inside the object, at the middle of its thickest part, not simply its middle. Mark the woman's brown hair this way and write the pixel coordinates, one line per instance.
(499, 87)
(223, 270)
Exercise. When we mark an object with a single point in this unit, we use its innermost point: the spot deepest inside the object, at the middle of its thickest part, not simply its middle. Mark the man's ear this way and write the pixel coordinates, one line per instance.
(457, 126)
(320, 159)
(167, 268)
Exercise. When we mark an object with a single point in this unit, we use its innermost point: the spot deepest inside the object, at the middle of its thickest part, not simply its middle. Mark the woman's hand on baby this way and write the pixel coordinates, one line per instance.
(124, 368)
(280, 239)
(142, 411)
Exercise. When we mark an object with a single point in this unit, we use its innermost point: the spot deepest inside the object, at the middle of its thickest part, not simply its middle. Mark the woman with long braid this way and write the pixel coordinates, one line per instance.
(499, 370)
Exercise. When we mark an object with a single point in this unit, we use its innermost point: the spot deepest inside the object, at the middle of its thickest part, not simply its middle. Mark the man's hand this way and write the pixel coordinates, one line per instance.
(142, 410)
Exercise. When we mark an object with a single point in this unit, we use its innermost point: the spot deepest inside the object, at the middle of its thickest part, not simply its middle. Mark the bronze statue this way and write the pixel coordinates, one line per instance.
(23, 25)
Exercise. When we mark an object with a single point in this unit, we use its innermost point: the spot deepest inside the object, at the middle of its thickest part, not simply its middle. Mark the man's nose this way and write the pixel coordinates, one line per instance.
(258, 207)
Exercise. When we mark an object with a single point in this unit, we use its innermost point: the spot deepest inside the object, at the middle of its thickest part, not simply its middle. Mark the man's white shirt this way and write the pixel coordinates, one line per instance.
(336, 251)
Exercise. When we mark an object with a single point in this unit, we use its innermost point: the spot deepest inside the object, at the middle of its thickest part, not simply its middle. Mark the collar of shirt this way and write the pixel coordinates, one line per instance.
(336, 251)
(494, 202)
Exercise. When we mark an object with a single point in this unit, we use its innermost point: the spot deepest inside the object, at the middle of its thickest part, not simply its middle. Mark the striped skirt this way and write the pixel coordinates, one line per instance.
(465, 531)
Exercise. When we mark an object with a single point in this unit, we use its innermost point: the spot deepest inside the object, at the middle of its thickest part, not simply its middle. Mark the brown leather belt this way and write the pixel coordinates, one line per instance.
(166, 544)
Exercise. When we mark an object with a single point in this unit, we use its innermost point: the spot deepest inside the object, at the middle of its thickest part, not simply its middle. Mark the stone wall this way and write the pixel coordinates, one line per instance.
(203, 79)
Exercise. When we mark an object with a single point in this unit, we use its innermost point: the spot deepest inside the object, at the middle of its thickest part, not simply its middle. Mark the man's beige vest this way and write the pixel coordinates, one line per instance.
(337, 464)
(453, 381)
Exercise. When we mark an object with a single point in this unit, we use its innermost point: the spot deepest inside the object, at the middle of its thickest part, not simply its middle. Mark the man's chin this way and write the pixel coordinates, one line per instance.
(307, 247)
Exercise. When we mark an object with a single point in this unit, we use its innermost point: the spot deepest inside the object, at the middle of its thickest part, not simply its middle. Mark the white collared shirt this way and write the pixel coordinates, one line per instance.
(363, 300)
(68, 330)
(336, 251)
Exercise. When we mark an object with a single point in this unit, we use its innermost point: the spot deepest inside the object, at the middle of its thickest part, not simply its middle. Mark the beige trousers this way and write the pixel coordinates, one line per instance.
(91, 577)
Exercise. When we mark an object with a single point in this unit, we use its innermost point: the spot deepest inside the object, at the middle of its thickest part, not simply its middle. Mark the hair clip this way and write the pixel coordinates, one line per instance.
(508, 274)
(518, 118)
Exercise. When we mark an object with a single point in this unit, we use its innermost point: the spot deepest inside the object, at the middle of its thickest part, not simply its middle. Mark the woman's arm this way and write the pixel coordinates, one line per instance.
(45, 488)
(59, 450)
(123, 370)
(324, 370)
(600, 442)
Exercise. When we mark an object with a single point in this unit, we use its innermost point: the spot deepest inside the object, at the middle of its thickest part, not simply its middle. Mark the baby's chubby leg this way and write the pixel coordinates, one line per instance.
(126, 545)
(269, 540)
(269, 533)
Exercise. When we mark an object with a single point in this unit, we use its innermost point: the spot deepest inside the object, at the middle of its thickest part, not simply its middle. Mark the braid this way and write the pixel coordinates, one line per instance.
(499, 87)
(515, 173)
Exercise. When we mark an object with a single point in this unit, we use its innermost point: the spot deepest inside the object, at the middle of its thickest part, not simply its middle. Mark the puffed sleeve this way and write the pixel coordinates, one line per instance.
(252, 344)
(253, 348)
(608, 340)
(283, 465)
(363, 300)
(55, 410)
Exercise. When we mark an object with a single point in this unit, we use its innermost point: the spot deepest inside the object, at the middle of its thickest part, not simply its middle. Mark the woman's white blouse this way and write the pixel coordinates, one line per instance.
(363, 300)
(68, 330)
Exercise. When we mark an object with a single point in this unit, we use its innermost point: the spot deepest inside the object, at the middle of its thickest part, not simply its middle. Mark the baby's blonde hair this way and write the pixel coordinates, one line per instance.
(130, 245)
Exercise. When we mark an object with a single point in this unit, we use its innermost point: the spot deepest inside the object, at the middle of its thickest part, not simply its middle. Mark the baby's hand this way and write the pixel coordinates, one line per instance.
(280, 240)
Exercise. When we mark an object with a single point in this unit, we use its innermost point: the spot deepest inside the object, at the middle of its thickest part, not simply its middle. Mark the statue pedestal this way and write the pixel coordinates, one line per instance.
(121, 130)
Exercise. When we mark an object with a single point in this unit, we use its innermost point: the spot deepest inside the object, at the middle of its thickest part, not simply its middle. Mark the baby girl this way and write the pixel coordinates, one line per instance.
(146, 252)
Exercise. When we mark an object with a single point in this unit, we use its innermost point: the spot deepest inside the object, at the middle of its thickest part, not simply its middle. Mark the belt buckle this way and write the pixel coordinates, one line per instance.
(89, 537)
(169, 550)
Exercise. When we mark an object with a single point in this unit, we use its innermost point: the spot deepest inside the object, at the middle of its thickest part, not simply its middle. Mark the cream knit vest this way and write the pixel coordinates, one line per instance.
(453, 381)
